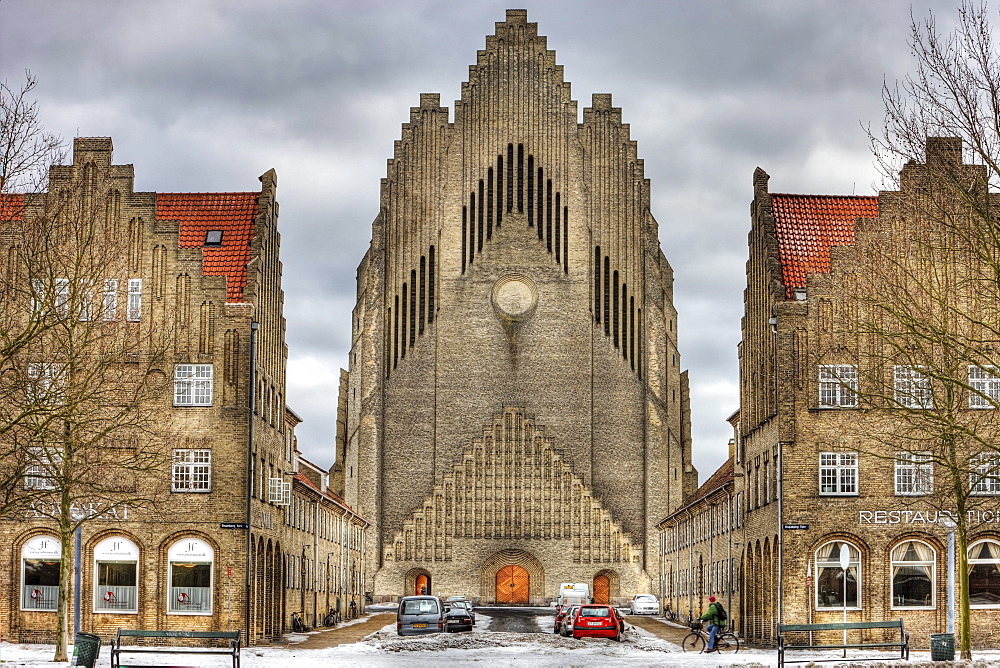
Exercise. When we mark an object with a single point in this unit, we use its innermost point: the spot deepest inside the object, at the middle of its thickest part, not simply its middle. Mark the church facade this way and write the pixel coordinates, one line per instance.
(514, 415)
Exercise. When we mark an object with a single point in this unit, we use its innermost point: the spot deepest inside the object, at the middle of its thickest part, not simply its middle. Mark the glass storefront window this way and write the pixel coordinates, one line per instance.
(984, 574)
(116, 564)
(40, 573)
(190, 562)
(830, 586)
(913, 575)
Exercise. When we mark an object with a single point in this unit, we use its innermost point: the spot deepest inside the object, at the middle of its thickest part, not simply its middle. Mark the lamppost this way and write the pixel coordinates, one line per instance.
(845, 562)
(949, 524)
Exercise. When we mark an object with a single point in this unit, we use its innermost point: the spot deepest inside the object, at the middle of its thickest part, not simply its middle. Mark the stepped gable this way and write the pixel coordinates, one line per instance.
(231, 213)
(512, 484)
(807, 226)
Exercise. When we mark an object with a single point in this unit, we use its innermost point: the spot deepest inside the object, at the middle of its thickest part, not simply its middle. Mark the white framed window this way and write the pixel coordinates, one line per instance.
(838, 474)
(279, 492)
(40, 573)
(41, 467)
(134, 313)
(190, 562)
(62, 296)
(192, 471)
(984, 384)
(192, 385)
(913, 564)
(109, 302)
(836, 588)
(986, 474)
(984, 574)
(914, 474)
(912, 387)
(838, 386)
(46, 382)
(116, 568)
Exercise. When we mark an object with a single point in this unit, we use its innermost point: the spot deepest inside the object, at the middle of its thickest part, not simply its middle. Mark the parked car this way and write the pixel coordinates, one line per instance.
(599, 621)
(566, 624)
(457, 616)
(561, 611)
(468, 604)
(419, 614)
(644, 604)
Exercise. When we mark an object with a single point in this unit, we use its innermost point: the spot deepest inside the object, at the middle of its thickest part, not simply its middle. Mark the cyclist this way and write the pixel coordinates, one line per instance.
(714, 616)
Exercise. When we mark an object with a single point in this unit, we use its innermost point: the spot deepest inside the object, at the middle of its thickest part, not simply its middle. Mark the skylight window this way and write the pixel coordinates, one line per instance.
(213, 238)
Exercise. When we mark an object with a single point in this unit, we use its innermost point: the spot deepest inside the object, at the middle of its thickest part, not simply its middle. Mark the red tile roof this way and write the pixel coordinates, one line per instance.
(807, 226)
(232, 213)
(11, 207)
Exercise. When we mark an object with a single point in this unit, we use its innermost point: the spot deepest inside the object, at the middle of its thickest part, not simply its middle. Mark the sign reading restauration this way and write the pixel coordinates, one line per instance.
(925, 516)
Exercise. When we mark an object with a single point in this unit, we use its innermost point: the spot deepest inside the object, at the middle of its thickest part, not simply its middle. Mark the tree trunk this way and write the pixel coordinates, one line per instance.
(964, 623)
(65, 581)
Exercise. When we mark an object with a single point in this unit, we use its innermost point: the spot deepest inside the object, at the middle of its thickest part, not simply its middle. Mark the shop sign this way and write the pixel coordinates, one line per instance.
(116, 548)
(42, 547)
(78, 511)
(925, 517)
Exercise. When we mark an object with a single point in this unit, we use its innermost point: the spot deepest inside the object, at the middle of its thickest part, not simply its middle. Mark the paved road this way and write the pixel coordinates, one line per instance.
(519, 620)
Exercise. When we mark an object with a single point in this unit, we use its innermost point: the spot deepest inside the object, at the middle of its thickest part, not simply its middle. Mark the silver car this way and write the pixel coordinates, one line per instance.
(418, 615)
(644, 604)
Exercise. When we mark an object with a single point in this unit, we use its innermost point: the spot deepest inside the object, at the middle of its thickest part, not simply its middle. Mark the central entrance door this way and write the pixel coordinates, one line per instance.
(513, 585)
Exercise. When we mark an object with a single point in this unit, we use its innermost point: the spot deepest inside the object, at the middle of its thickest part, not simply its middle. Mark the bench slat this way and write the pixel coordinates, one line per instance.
(139, 633)
(856, 646)
(839, 626)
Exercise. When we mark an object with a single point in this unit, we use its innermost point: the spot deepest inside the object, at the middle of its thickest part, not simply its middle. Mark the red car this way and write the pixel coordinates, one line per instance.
(598, 621)
(560, 613)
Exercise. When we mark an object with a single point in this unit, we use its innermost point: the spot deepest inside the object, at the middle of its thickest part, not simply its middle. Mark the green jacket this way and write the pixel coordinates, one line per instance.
(712, 615)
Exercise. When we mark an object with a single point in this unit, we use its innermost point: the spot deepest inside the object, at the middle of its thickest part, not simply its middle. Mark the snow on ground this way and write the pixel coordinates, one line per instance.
(484, 648)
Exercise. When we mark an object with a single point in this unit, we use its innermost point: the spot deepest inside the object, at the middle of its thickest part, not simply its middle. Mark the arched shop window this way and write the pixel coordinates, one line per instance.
(116, 566)
(913, 575)
(190, 574)
(831, 589)
(984, 574)
(40, 573)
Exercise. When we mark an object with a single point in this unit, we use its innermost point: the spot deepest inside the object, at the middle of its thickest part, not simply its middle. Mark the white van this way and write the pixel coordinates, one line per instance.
(573, 593)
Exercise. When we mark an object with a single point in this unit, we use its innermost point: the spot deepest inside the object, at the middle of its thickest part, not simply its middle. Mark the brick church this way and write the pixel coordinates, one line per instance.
(515, 412)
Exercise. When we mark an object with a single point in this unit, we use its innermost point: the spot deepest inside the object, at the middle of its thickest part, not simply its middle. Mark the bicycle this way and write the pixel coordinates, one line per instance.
(332, 618)
(725, 640)
(298, 626)
(669, 614)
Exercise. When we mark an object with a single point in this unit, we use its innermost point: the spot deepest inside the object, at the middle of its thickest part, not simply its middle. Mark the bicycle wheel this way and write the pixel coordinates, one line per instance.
(693, 642)
(727, 642)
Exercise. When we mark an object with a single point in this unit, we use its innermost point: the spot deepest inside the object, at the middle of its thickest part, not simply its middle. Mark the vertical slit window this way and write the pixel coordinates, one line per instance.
(565, 239)
(413, 306)
(388, 347)
(631, 330)
(489, 203)
(402, 325)
(548, 215)
(423, 291)
(479, 219)
(510, 178)
(624, 321)
(500, 185)
(597, 284)
(465, 225)
(430, 287)
(520, 178)
(395, 331)
(531, 189)
(472, 227)
(558, 232)
(607, 296)
(638, 341)
(540, 208)
(614, 306)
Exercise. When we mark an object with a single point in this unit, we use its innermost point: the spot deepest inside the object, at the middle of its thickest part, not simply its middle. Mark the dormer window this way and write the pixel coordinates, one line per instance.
(213, 238)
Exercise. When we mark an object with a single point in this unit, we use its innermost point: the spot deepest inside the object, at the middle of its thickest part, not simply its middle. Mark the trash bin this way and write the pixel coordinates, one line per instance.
(942, 647)
(86, 647)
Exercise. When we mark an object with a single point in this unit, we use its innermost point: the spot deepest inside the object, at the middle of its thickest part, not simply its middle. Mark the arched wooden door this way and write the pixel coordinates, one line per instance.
(602, 589)
(422, 585)
(513, 585)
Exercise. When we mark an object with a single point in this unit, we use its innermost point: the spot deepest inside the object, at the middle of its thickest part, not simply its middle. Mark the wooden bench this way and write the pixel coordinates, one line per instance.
(232, 647)
(785, 643)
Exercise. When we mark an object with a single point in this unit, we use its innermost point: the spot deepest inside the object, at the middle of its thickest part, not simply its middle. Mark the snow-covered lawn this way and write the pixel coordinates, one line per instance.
(479, 648)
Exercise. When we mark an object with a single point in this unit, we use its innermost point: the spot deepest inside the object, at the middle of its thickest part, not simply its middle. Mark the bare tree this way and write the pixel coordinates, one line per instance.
(80, 372)
(930, 312)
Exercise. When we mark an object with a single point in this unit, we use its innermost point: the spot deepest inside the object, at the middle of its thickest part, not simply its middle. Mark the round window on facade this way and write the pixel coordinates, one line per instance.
(190, 562)
(984, 574)
(913, 568)
(834, 591)
(40, 573)
(116, 575)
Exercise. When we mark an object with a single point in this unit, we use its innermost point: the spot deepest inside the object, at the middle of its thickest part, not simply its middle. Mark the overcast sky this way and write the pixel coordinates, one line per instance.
(206, 95)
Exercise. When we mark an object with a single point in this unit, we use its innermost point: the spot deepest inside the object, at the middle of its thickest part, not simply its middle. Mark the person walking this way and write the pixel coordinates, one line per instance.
(714, 616)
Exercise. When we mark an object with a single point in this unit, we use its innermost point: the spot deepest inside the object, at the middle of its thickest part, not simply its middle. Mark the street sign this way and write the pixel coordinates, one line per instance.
(234, 525)
(794, 527)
